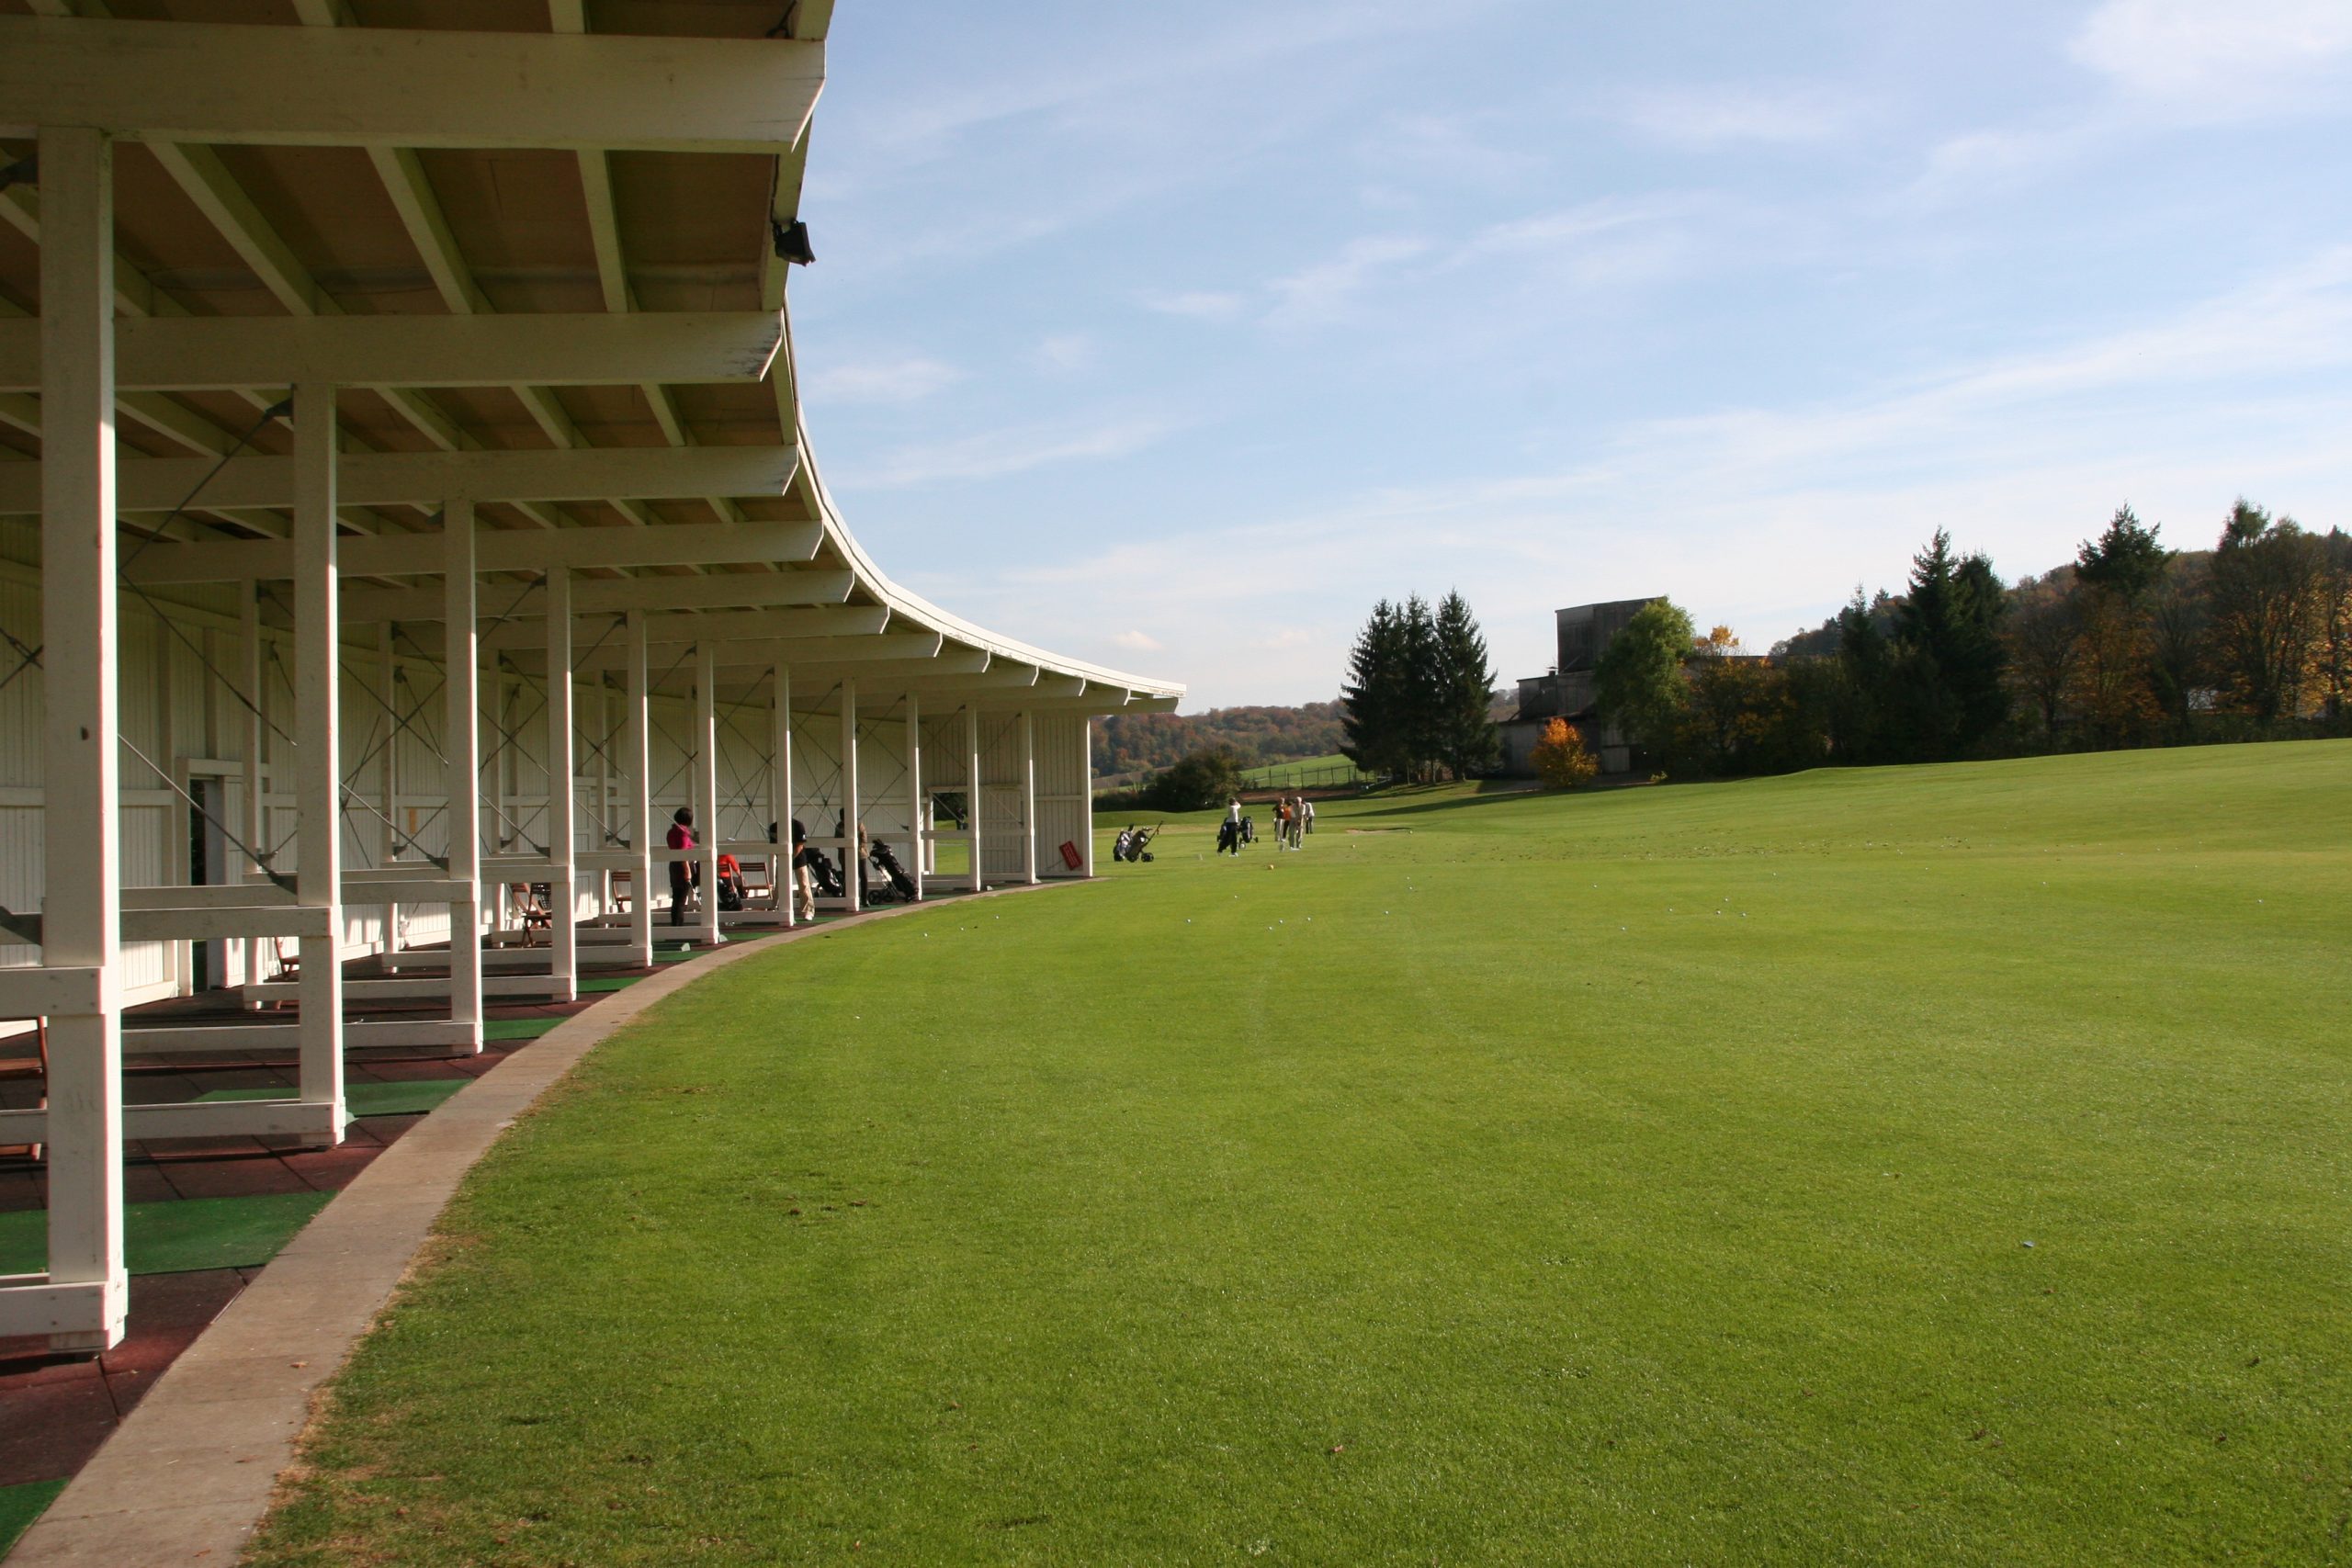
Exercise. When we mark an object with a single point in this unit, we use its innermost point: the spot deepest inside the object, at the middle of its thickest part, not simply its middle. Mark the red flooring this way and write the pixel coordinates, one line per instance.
(56, 1410)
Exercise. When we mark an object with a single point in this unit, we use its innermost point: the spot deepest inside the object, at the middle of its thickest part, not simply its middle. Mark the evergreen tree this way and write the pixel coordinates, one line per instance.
(1376, 695)
(1419, 686)
(1468, 743)
(2125, 561)
(1945, 695)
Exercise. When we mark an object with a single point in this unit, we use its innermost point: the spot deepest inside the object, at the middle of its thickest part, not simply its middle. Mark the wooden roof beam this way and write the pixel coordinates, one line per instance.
(226, 83)
(193, 353)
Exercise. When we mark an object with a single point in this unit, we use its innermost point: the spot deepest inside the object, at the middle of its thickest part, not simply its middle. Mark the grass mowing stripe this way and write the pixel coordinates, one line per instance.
(175, 1237)
(1643, 1176)
(22, 1504)
(408, 1097)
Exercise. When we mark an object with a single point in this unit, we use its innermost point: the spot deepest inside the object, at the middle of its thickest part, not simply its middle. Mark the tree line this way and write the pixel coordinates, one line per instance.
(2130, 644)
(1136, 743)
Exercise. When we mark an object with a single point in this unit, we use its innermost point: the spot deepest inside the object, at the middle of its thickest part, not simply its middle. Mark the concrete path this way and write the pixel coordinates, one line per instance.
(189, 1475)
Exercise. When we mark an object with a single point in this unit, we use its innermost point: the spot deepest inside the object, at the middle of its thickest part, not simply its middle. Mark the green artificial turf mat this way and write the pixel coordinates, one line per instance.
(175, 1237)
(20, 1506)
(411, 1098)
(518, 1028)
(608, 983)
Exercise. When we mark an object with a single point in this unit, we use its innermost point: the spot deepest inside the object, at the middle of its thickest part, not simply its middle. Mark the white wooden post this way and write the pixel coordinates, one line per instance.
(1086, 800)
(255, 814)
(461, 739)
(972, 792)
(707, 784)
(849, 796)
(563, 936)
(80, 819)
(604, 792)
(638, 757)
(1028, 798)
(781, 873)
(318, 754)
(914, 792)
(388, 775)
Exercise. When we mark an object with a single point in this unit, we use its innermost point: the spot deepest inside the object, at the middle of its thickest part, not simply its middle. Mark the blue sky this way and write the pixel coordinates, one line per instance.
(1173, 338)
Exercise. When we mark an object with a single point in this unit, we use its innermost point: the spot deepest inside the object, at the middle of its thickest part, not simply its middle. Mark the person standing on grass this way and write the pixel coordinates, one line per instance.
(683, 876)
(1282, 822)
(1308, 806)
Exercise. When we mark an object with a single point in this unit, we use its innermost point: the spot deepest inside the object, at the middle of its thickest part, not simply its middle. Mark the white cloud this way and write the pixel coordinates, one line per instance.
(881, 381)
(999, 454)
(2206, 51)
(1199, 305)
(1139, 642)
(1328, 291)
(1707, 118)
(1067, 354)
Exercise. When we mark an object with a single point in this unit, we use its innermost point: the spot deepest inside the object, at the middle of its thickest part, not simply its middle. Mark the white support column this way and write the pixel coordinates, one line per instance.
(256, 814)
(388, 772)
(706, 784)
(604, 743)
(318, 753)
(461, 741)
(972, 792)
(849, 797)
(80, 1303)
(1028, 798)
(914, 792)
(781, 873)
(562, 848)
(1086, 805)
(638, 757)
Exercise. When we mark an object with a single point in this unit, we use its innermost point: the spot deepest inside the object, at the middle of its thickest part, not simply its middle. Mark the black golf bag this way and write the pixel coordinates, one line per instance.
(823, 872)
(887, 864)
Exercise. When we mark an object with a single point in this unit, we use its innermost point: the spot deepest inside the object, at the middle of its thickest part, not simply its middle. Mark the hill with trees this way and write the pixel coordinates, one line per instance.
(1136, 743)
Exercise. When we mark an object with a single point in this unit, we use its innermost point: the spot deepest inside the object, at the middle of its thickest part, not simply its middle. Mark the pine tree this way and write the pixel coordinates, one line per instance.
(1420, 689)
(1468, 743)
(1375, 695)
(2125, 561)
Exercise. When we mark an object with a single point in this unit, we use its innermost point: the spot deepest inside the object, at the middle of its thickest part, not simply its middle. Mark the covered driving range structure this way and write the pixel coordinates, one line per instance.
(405, 506)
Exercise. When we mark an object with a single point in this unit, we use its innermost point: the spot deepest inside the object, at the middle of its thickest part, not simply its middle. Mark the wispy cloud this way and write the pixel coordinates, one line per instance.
(2221, 58)
(999, 454)
(1067, 354)
(882, 382)
(1199, 305)
(1137, 642)
(1715, 117)
(1330, 289)
(2017, 454)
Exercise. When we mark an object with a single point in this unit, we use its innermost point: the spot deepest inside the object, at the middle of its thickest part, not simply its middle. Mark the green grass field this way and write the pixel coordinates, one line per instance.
(1938, 1166)
(1304, 772)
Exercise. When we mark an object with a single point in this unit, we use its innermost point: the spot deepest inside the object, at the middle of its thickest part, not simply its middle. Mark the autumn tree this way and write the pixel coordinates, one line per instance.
(2265, 597)
(2043, 631)
(1561, 759)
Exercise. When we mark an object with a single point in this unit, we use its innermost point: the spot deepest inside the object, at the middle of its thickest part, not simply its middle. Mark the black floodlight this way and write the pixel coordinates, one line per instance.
(792, 241)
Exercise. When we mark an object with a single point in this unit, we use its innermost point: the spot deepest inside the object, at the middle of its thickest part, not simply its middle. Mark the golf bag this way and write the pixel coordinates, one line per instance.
(823, 872)
(1133, 844)
(887, 864)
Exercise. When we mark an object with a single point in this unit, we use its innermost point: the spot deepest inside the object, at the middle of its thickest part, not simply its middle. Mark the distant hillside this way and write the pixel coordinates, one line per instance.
(1139, 743)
